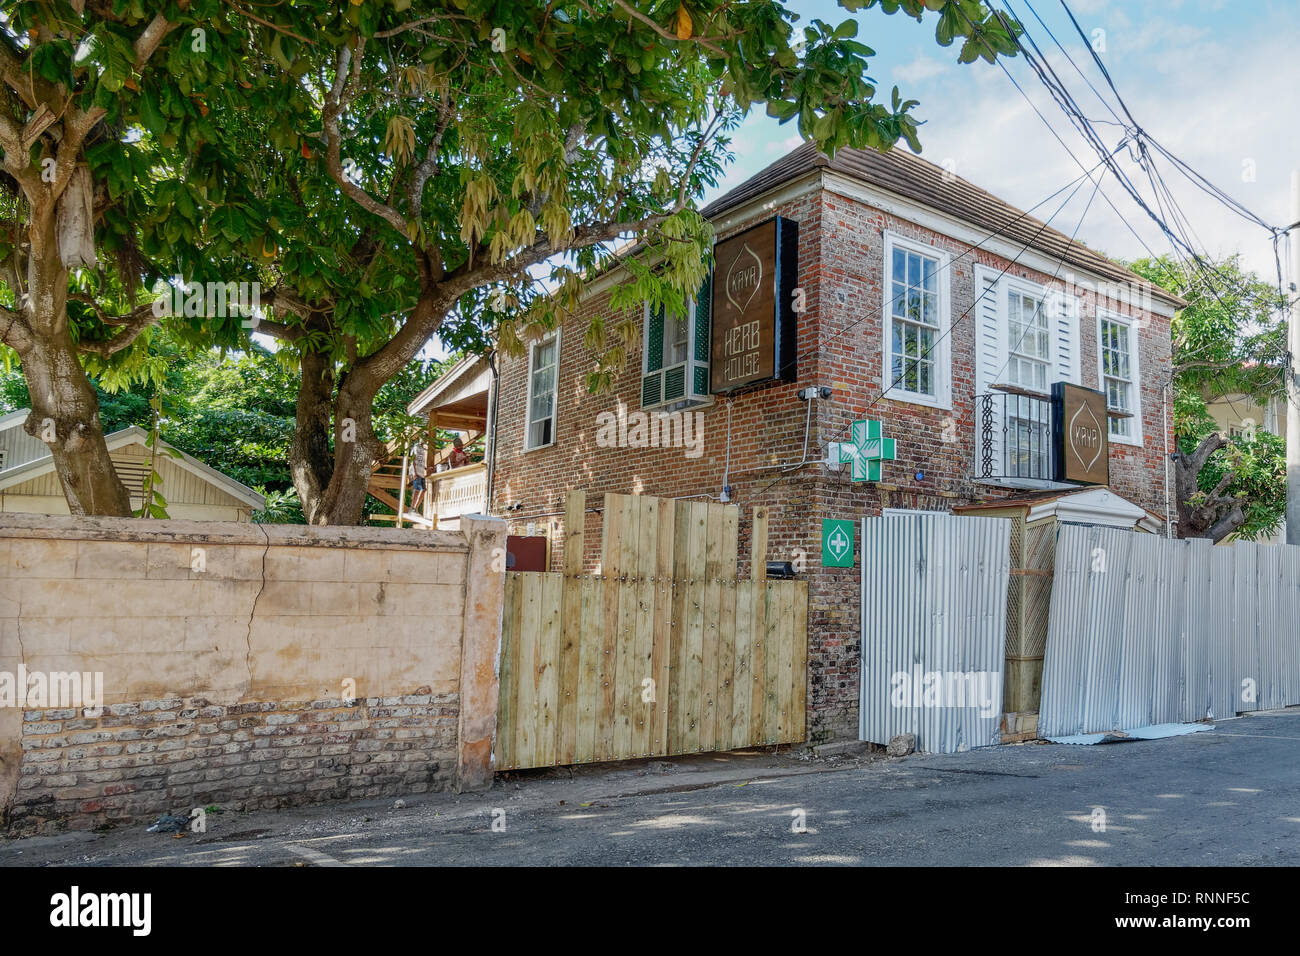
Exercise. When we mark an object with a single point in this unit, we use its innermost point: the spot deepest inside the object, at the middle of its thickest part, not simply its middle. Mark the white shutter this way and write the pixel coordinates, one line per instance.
(990, 342)
(990, 356)
(1063, 319)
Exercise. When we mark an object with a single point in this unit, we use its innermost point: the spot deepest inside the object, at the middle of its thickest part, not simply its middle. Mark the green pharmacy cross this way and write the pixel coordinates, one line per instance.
(868, 450)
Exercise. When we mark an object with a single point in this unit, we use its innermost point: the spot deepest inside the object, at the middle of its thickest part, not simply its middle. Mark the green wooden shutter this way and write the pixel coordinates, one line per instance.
(703, 313)
(703, 337)
(675, 383)
(652, 378)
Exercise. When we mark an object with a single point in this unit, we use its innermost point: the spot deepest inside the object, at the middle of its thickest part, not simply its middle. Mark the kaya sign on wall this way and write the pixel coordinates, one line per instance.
(1082, 448)
(753, 331)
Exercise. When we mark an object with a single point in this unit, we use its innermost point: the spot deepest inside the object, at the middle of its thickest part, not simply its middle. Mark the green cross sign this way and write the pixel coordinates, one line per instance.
(837, 543)
(867, 451)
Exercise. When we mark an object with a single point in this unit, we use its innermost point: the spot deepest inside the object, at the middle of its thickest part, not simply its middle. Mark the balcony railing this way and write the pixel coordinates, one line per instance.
(459, 491)
(1013, 438)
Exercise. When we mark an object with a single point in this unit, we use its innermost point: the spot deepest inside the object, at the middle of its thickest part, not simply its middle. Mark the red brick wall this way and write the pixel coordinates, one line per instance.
(841, 269)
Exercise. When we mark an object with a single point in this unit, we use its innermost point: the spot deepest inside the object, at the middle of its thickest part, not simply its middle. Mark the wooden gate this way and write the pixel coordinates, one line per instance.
(663, 652)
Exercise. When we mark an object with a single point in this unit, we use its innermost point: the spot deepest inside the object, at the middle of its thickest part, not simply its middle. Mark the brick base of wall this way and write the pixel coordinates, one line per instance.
(142, 759)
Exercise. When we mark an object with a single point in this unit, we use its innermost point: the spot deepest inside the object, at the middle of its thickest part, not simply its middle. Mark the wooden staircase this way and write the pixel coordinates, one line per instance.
(387, 484)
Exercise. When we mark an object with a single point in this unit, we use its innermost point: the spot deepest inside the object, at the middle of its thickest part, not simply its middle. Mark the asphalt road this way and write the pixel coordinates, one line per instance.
(1227, 797)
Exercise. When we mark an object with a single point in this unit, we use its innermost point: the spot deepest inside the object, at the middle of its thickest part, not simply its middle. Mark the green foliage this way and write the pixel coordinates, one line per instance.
(282, 507)
(152, 503)
(386, 171)
(1230, 339)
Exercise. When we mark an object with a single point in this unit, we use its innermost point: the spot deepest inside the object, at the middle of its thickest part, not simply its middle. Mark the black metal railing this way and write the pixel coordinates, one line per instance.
(1014, 435)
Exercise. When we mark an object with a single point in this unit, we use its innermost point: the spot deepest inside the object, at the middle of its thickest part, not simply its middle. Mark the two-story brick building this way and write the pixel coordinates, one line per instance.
(889, 290)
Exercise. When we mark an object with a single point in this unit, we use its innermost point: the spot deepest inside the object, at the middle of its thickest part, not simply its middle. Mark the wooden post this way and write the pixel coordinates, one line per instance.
(758, 547)
(401, 493)
(430, 450)
(575, 510)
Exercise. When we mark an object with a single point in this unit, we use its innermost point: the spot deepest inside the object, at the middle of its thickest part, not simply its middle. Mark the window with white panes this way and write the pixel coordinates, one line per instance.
(676, 338)
(1118, 375)
(915, 323)
(543, 364)
(1029, 342)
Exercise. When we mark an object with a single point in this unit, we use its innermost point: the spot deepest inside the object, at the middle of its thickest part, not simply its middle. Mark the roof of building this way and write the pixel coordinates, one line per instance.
(27, 470)
(1095, 504)
(468, 368)
(911, 177)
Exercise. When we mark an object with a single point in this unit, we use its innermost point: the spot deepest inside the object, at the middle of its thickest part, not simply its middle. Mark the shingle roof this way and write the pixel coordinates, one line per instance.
(912, 177)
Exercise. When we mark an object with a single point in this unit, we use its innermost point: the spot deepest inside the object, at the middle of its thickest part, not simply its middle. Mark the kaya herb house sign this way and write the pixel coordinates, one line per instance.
(753, 320)
(1080, 434)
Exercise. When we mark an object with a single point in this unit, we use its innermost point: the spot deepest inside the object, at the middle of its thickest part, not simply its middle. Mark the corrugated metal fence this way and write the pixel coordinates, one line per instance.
(934, 619)
(1145, 630)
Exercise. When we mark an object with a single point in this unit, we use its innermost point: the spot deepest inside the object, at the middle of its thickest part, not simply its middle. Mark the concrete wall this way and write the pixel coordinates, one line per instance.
(246, 666)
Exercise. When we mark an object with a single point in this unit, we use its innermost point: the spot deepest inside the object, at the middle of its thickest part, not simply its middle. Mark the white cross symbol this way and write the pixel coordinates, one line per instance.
(838, 542)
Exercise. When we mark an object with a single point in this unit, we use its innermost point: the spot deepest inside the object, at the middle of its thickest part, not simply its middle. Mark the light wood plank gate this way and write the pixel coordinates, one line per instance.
(664, 652)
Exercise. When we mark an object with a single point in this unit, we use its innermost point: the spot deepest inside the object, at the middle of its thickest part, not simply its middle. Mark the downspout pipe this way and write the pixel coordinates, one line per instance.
(492, 428)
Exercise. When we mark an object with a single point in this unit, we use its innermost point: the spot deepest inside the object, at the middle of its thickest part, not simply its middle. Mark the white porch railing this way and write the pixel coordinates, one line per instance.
(456, 492)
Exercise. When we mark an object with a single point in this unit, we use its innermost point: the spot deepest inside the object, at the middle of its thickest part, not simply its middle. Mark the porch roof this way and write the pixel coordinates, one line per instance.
(1097, 505)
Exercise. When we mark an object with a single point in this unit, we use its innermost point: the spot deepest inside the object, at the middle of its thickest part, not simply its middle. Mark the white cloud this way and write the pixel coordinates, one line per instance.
(920, 69)
(1205, 107)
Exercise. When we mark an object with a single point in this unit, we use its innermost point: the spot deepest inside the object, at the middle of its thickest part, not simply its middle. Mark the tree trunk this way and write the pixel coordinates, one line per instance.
(1204, 514)
(311, 461)
(65, 410)
(332, 483)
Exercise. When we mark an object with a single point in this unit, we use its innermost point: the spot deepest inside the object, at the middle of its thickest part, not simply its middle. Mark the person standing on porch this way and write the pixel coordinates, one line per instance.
(419, 470)
(459, 456)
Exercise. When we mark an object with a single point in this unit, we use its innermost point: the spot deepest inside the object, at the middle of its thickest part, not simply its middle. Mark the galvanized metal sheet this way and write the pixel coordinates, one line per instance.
(934, 620)
(1144, 630)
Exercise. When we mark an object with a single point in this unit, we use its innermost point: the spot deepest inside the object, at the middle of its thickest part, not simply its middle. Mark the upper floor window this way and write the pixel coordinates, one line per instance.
(543, 366)
(916, 303)
(1118, 370)
(1029, 347)
(675, 355)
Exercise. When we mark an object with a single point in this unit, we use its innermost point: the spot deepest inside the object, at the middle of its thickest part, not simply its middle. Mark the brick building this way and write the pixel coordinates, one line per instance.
(926, 304)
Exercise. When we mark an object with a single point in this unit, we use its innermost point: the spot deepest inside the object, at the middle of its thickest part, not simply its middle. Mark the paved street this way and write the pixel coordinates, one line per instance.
(1229, 797)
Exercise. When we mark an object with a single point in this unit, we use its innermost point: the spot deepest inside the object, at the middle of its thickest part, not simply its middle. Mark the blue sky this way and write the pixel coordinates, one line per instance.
(1217, 83)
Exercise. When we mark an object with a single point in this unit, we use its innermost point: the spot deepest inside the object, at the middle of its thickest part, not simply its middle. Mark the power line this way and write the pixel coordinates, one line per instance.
(1135, 134)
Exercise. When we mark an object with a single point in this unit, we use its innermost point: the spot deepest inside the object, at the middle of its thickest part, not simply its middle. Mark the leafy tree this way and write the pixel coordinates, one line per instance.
(380, 166)
(101, 111)
(234, 411)
(462, 168)
(1230, 339)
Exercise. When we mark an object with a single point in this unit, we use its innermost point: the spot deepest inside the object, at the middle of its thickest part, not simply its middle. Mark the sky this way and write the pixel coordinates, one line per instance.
(1217, 82)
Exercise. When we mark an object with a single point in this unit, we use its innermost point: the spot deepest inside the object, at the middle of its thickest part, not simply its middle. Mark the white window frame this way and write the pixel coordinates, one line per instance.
(1014, 284)
(555, 393)
(645, 333)
(679, 404)
(942, 355)
(1135, 373)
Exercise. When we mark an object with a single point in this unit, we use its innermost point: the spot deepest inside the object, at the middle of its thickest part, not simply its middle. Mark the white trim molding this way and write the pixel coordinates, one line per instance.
(942, 353)
(552, 336)
(958, 229)
(1135, 374)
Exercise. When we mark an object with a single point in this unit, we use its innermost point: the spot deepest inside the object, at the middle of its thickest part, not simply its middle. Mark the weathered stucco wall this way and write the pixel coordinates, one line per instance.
(243, 665)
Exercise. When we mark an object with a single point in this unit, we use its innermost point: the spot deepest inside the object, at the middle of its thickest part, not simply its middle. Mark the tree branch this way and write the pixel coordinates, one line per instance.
(15, 332)
(347, 67)
(132, 326)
